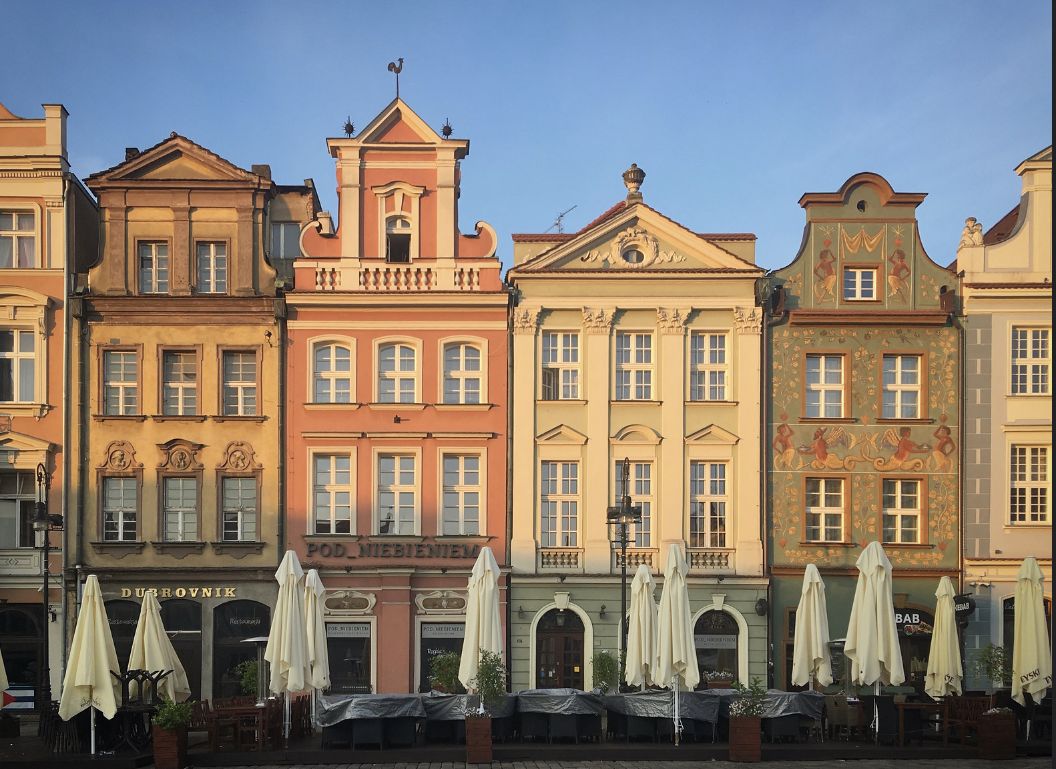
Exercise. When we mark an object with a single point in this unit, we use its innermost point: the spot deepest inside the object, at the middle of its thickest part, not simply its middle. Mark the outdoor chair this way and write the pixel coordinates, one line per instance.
(664, 729)
(501, 729)
(534, 726)
(338, 735)
(401, 731)
(639, 727)
(912, 724)
(697, 730)
(200, 713)
(617, 725)
(962, 716)
(443, 732)
(370, 731)
(588, 726)
(881, 709)
(562, 727)
(781, 728)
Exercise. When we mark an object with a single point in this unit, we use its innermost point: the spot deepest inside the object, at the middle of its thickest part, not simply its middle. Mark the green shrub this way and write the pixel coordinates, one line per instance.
(172, 715)
(606, 671)
(490, 682)
(443, 673)
(752, 699)
(247, 676)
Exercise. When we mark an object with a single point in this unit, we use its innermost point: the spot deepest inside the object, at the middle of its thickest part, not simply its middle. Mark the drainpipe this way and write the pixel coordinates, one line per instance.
(511, 302)
(65, 493)
(84, 334)
(280, 319)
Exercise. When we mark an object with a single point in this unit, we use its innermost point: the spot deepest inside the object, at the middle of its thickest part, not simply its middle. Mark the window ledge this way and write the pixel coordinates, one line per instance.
(237, 549)
(397, 406)
(329, 537)
(463, 406)
(572, 401)
(178, 549)
(35, 410)
(380, 538)
(475, 539)
(119, 548)
(119, 417)
(907, 546)
(712, 403)
(815, 543)
(1028, 525)
(239, 418)
(914, 421)
(823, 420)
(314, 406)
(1029, 395)
(634, 402)
(179, 417)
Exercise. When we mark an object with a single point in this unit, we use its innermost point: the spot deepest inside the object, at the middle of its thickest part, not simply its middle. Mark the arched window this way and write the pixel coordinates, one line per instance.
(397, 373)
(1008, 622)
(332, 373)
(398, 240)
(183, 623)
(559, 650)
(21, 643)
(233, 622)
(715, 637)
(123, 617)
(462, 373)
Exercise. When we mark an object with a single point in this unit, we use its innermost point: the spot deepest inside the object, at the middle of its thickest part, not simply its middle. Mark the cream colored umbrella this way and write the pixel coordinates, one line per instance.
(872, 638)
(88, 682)
(945, 673)
(676, 654)
(810, 649)
(4, 683)
(483, 628)
(152, 650)
(318, 658)
(1031, 654)
(641, 629)
(287, 649)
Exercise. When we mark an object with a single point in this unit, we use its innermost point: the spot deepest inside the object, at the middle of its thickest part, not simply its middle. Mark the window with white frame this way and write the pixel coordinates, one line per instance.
(179, 388)
(901, 501)
(120, 382)
(1031, 361)
(153, 267)
(707, 362)
(901, 387)
(332, 493)
(18, 230)
(461, 495)
(398, 240)
(120, 509)
(285, 240)
(559, 504)
(239, 513)
(1030, 472)
(560, 365)
(397, 494)
(824, 510)
(825, 386)
(859, 284)
(18, 366)
(634, 366)
(332, 373)
(180, 510)
(707, 504)
(640, 488)
(397, 373)
(462, 373)
(18, 497)
(212, 268)
(240, 383)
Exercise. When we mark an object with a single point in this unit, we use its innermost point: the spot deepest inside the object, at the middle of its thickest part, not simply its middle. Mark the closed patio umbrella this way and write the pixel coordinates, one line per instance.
(483, 627)
(88, 683)
(3, 674)
(287, 649)
(944, 659)
(318, 658)
(152, 650)
(810, 649)
(641, 629)
(676, 654)
(1031, 656)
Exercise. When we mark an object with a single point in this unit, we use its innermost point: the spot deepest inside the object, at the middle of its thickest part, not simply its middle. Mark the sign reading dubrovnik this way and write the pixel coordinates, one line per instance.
(181, 592)
(390, 550)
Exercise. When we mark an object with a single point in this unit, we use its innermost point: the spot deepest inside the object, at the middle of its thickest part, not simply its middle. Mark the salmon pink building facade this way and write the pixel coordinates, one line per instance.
(397, 402)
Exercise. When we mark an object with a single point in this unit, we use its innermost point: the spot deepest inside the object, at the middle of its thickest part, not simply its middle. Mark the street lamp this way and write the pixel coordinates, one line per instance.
(45, 523)
(619, 519)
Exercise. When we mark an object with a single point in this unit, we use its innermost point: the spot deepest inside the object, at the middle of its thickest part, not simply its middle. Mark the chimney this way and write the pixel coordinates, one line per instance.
(131, 152)
(261, 169)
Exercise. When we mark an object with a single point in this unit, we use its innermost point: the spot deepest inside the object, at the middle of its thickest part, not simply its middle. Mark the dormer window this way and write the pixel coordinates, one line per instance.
(398, 240)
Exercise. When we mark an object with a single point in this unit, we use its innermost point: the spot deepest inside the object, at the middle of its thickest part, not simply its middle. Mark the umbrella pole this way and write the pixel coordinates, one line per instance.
(678, 722)
(286, 716)
(876, 713)
(315, 709)
(93, 728)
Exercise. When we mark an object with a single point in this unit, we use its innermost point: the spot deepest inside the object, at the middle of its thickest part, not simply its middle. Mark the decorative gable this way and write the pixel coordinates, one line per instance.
(398, 124)
(562, 434)
(714, 435)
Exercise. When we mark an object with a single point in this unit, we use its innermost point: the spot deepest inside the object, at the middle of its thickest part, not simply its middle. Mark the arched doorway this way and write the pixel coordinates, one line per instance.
(233, 622)
(715, 636)
(1008, 622)
(559, 650)
(123, 617)
(21, 643)
(183, 623)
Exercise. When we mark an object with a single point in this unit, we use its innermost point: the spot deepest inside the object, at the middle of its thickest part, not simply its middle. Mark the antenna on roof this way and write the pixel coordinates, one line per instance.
(560, 218)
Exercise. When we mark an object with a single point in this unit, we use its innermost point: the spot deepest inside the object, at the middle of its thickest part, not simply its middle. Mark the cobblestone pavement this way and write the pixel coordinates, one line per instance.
(902, 763)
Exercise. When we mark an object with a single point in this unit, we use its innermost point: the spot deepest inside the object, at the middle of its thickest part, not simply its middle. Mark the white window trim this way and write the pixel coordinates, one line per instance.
(901, 512)
(240, 386)
(561, 366)
(639, 458)
(213, 246)
(350, 452)
(375, 520)
(708, 367)
(26, 310)
(482, 347)
(1028, 443)
(395, 192)
(345, 341)
(857, 295)
(412, 342)
(25, 207)
(154, 266)
(823, 511)
(28, 495)
(898, 388)
(691, 498)
(254, 482)
(122, 386)
(633, 367)
(742, 633)
(182, 388)
(271, 239)
(578, 497)
(822, 387)
(181, 512)
(480, 451)
(1030, 363)
(588, 640)
(361, 619)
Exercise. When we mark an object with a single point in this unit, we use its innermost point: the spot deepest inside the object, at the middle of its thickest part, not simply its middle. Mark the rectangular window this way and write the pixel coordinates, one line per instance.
(397, 374)
(332, 374)
(239, 510)
(18, 497)
(397, 493)
(461, 495)
(18, 365)
(180, 512)
(901, 387)
(559, 504)
(120, 509)
(332, 493)
(859, 284)
(462, 373)
(634, 366)
(824, 386)
(707, 367)
(707, 504)
(17, 239)
(153, 268)
(179, 390)
(1029, 470)
(212, 268)
(285, 240)
(640, 487)
(560, 365)
(240, 383)
(120, 382)
(901, 511)
(1031, 361)
(824, 510)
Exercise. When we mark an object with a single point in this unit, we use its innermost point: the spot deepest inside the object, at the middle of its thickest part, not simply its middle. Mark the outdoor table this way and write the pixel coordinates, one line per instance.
(561, 708)
(241, 714)
(132, 726)
(926, 709)
(373, 717)
(654, 706)
(778, 703)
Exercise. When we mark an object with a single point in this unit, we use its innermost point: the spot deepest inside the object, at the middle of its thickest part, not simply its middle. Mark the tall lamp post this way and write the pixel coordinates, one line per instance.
(45, 523)
(619, 519)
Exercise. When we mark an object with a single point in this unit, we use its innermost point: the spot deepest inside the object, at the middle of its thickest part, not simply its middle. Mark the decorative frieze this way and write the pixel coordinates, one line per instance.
(597, 320)
(672, 320)
(748, 319)
(525, 320)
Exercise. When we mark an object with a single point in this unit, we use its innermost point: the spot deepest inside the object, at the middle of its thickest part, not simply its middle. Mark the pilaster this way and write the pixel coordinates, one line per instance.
(671, 367)
(747, 374)
(180, 258)
(595, 473)
(524, 459)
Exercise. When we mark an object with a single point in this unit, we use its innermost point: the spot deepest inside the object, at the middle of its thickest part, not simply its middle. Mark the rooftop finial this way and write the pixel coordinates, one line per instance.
(396, 67)
(633, 178)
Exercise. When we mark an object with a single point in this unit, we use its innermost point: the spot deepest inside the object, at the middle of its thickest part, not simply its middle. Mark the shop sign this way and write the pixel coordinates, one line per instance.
(443, 630)
(348, 630)
(412, 550)
(715, 641)
(912, 622)
(181, 592)
(964, 605)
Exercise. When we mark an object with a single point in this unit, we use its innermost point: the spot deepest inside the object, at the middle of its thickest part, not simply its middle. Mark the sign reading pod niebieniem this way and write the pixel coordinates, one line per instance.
(395, 550)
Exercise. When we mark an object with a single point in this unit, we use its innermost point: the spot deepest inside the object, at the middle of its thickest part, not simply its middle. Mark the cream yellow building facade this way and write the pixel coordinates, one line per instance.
(634, 338)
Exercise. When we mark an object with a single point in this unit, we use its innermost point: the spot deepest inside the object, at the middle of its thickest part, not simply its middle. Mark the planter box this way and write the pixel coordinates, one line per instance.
(478, 740)
(720, 684)
(746, 738)
(997, 736)
(170, 748)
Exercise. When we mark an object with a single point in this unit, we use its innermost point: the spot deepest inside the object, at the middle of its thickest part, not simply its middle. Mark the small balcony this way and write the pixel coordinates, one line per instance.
(710, 559)
(636, 557)
(395, 278)
(560, 559)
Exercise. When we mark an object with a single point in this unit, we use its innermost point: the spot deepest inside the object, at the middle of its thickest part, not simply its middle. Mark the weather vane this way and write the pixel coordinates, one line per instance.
(396, 67)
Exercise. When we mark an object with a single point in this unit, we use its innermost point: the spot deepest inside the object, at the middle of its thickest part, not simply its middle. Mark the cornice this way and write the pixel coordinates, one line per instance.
(878, 318)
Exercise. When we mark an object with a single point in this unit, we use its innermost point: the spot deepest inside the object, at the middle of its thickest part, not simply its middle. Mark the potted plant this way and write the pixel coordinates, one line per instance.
(719, 679)
(490, 687)
(997, 734)
(169, 734)
(246, 671)
(606, 672)
(443, 673)
(746, 722)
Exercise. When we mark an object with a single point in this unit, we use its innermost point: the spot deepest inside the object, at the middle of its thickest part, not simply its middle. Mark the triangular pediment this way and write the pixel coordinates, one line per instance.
(175, 159)
(20, 442)
(714, 435)
(398, 124)
(562, 434)
(637, 239)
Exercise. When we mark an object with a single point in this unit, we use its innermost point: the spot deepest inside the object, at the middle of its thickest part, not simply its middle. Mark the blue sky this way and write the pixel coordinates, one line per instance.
(733, 109)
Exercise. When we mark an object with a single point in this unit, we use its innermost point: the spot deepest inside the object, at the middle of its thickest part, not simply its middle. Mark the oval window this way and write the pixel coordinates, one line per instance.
(633, 256)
